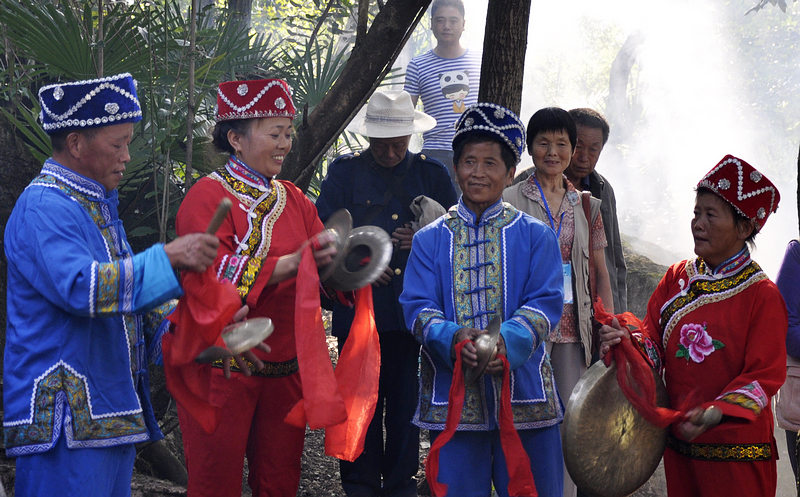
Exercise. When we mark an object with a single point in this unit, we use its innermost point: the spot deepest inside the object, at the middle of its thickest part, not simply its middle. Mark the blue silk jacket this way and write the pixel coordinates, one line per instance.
(461, 272)
(84, 314)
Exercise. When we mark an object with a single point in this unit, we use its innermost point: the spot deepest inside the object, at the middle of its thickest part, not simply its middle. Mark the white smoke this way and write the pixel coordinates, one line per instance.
(693, 96)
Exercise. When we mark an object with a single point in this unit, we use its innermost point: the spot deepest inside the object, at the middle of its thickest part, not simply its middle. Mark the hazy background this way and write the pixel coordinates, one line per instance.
(708, 81)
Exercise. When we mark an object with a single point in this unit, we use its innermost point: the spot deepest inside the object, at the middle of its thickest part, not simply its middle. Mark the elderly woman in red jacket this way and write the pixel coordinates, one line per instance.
(716, 328)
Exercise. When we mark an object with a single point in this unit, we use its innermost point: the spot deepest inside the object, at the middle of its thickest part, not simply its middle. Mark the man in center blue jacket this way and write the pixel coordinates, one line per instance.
(378, 186)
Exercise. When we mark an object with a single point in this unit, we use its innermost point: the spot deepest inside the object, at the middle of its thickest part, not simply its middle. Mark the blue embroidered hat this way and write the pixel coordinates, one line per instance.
(495, 121)
(89, 104)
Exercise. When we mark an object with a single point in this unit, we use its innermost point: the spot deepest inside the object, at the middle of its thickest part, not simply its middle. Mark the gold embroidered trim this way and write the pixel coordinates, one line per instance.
(721, 452)
(260, 227)
(271, 369)
(702, 292)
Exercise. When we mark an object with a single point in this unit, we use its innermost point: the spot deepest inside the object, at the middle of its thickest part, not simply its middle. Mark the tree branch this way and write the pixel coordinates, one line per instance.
(367, 66)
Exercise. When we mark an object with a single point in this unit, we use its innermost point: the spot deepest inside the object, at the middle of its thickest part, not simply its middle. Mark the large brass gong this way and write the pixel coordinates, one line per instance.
(610, 450)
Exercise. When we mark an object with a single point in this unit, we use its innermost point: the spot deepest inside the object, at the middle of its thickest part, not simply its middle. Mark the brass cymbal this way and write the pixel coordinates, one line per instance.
(610, 450)
(340, 223)
(239, 337)
(366, 255)
(486, 344)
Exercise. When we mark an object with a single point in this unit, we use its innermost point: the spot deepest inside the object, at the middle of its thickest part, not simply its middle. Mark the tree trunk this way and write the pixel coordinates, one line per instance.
(618, 110)
(505, 42)
(366, 67)
(243, 8)
(798, 189)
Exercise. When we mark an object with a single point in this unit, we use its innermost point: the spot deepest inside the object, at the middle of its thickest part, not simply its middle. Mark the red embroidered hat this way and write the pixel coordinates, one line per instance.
(252, 99)
(747, 190)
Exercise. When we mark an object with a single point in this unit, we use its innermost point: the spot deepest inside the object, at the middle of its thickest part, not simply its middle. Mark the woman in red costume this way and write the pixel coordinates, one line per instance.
(716, 329)
(262, 239)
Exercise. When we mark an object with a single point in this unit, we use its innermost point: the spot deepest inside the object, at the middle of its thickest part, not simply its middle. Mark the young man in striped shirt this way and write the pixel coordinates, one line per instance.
(446, 78)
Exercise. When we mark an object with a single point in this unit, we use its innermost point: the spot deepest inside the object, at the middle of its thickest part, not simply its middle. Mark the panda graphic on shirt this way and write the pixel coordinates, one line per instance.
(455, 87)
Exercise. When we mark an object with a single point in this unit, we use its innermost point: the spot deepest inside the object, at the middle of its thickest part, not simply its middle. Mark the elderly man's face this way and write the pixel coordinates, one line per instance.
(587, 152)
(389, 152)
(482, 175)
(103, 153)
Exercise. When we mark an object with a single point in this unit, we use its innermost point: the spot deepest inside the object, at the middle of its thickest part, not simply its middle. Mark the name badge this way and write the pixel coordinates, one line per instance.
(567, 271)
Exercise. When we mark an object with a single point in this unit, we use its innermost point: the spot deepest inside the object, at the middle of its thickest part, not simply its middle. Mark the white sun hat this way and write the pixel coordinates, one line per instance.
(390, 114)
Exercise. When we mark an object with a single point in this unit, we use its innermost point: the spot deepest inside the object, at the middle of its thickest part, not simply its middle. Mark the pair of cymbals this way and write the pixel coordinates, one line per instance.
(362, 255)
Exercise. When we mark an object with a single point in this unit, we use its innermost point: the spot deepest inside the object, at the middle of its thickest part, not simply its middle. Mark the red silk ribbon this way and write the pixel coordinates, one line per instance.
(358, 374)
(520, 477)
(518, 463)
(634, 375)
(322, 405)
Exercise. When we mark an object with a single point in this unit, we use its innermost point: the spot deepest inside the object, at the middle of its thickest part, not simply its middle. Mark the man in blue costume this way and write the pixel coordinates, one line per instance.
(378, 186)
(484, 258)
(84, 313)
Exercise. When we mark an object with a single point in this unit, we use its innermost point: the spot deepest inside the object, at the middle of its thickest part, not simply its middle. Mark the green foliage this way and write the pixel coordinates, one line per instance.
(49, 42)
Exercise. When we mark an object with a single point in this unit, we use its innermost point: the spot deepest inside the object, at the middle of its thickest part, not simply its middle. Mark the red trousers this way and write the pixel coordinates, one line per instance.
(252, 425)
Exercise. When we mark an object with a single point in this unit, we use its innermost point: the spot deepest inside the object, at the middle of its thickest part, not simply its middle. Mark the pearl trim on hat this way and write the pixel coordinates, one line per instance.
(499, 113)
(241, 112)
(755, 176)
(62, 121)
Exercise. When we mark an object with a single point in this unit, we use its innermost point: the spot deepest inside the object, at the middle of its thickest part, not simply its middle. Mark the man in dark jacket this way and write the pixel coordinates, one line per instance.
(593, 132)
(377, 186)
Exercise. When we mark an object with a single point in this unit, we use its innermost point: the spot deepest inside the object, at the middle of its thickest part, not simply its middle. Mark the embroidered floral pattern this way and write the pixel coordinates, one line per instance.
(702, 291)
(750, 396)
(696, 343)
(85, 426)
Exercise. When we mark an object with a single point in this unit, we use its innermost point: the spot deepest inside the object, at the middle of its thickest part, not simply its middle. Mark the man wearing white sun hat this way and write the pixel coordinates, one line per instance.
(378, 186)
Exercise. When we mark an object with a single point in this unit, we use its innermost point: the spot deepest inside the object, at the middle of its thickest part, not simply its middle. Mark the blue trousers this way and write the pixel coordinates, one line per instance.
(396, 460)
(472, 461)
(102, 472)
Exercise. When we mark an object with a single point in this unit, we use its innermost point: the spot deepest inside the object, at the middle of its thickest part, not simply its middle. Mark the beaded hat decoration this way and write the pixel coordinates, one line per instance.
(253, 99)
(747, 190)
(89, 104)
(495, 121)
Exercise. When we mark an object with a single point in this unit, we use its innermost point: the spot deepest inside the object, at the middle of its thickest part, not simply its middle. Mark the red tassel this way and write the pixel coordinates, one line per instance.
(322, 405)
(455, 404)
(207, 306)
(519, 465)
(358, 376)
(520, 477)
(633, 373)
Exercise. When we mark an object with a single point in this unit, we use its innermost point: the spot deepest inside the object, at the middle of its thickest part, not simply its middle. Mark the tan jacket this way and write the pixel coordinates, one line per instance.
(580, 257)
(787, 401)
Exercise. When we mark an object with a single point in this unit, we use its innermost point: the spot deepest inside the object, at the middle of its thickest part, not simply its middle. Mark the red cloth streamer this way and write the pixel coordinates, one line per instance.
(322, 405)
(634, 375)
(455, 404)
(518, 463)
(207, 306)
(358, 375)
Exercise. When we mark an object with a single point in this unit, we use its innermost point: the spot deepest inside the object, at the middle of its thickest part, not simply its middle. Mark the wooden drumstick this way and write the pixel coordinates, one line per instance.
(222, 210)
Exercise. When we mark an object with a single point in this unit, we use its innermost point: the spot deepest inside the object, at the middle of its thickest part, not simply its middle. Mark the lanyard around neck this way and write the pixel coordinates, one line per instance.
(547, 209)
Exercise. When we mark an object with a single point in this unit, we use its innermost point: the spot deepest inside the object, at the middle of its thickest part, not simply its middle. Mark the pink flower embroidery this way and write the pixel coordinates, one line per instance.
(696, 343)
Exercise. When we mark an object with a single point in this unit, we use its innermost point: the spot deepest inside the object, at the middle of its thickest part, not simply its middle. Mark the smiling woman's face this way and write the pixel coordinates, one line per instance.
(265, 145)
(551, 152)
